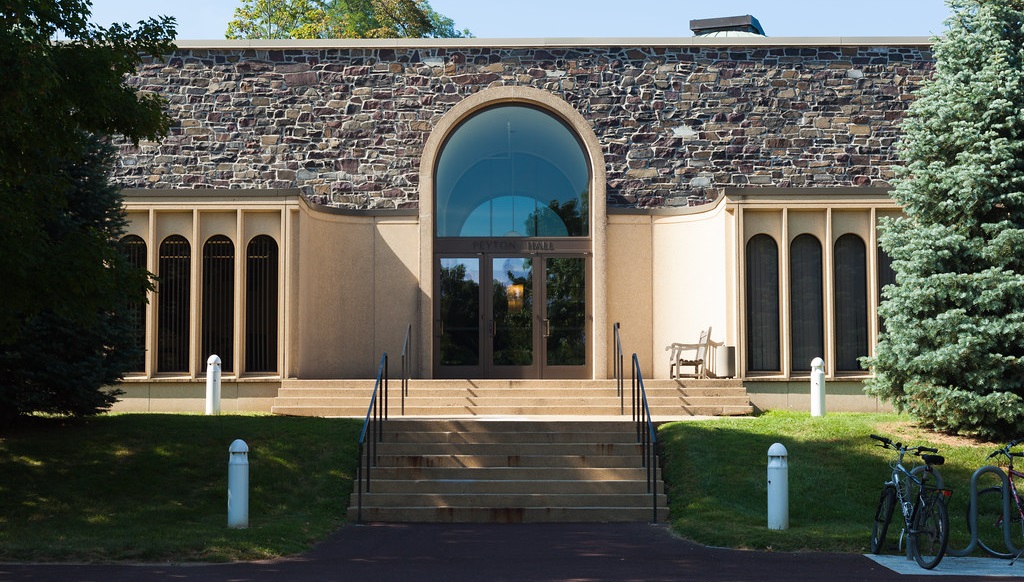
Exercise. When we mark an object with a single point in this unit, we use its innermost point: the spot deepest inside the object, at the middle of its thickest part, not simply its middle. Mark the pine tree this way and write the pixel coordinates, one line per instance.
(952, 352)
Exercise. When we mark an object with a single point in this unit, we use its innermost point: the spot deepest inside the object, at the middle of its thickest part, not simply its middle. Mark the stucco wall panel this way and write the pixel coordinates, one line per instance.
(335, 288)
(630, 297)
(690, 292)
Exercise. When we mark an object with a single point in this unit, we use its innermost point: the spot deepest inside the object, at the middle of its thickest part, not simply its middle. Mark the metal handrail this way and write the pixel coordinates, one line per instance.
(619, 372)
(406, 365)
(648, 439)
(373, 426)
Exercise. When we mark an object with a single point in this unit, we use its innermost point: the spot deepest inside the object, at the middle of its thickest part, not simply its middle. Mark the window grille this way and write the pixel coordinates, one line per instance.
(851, 308)
(762, 304)
(219, 300)
(134, 249)
(261, 305)
(806, 302)
(174, 304)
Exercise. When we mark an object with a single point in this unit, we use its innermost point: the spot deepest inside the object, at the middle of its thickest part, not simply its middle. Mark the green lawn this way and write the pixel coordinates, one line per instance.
(716, 473)
(153, 487)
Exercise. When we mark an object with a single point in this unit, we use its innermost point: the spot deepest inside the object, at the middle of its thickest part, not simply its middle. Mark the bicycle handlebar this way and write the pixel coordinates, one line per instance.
(889, 444)
(1006, 450)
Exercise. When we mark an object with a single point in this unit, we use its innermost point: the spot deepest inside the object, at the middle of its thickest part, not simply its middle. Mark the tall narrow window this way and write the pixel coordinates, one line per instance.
(219, 300)
(261, 305)
(174, 304)
(806, 302)
(851, 309)
(134, 248)
(762, 304)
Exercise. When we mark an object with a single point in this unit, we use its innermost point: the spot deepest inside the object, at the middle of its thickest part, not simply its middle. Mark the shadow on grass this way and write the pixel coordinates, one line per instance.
(154, 486)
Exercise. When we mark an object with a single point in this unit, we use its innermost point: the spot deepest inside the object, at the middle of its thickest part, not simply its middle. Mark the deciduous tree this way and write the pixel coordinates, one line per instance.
(340, 19)
(63, 281)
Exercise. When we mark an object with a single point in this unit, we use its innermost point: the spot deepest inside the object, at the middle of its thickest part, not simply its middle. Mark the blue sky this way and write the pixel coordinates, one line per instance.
(207, 19)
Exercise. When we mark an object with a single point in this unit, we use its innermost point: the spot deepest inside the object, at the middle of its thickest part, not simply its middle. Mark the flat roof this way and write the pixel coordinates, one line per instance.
(568, 42)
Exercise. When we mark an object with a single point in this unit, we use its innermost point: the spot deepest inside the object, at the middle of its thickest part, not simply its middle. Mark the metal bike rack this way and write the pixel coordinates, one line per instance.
(939, 484)
(972, 516)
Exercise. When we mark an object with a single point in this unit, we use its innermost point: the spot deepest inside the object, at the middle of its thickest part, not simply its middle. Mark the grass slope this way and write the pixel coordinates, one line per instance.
(141, 487)
(716, 474)
(153, 487)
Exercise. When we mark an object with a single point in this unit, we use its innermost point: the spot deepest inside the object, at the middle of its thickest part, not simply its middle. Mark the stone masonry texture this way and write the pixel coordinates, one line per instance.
(676, 124)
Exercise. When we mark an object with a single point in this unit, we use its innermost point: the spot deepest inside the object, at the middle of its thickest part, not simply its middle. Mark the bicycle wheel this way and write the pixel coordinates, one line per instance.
(990, 521)
(930, 532)
(883, 515)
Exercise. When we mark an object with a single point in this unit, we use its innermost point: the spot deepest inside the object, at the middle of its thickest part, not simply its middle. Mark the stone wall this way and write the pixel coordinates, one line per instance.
(347, 125)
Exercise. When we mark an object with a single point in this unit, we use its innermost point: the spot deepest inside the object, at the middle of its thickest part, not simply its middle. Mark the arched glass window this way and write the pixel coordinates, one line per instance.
(762, 304)
(174, 304)
(261, 305)
(219, 301)
(134, 248)
(851, 308)
(512, 170)
(806, 302)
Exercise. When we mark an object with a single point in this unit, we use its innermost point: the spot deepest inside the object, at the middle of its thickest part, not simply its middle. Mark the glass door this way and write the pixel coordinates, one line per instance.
(512, 322)
(565, 317)
(507, 316)
(457, 325)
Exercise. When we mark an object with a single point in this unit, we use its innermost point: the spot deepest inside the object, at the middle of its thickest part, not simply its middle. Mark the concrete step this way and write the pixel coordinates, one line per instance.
(515, 470)
(510, 514)
(509, 450)
(508, 473)
(484, 437)
(516, 499)
(667, 398)
(551, 486)
(658, 413)
(503, 460)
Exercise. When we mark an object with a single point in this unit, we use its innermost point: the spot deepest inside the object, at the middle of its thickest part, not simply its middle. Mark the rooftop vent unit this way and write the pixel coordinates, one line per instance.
(745, 25)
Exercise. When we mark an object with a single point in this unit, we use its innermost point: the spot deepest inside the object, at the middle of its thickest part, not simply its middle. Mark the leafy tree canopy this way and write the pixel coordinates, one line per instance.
(340, 19)
(952, 352)
(59, 216)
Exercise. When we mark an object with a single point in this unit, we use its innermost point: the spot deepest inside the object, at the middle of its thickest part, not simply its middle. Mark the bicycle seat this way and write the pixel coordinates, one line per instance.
(933, 459)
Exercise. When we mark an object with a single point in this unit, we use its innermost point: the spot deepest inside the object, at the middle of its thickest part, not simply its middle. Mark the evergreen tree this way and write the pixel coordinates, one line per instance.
(63, 282)
(952, 352)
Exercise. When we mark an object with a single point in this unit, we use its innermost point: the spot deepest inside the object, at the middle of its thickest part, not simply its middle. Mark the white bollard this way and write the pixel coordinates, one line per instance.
(778, 487)
(213, 385)
(238, 484)
(817, 387)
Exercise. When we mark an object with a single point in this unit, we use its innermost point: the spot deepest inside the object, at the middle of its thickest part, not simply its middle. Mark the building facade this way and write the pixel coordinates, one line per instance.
(508, 202)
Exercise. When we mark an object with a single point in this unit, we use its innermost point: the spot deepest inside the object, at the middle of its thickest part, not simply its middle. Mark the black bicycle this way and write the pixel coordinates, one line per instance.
(922, 504)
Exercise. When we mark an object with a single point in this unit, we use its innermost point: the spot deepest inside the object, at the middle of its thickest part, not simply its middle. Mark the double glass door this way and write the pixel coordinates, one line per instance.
(512, 316)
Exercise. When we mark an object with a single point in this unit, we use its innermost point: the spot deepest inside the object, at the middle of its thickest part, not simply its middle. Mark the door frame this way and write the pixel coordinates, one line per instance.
(598, 353)
(539, 250)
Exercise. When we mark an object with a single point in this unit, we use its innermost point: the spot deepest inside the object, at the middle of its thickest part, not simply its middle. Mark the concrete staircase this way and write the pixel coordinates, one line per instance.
(668, 399)
(509, 471)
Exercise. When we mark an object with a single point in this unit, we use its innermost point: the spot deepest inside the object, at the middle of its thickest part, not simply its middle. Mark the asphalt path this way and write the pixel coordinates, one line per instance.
(498, 552)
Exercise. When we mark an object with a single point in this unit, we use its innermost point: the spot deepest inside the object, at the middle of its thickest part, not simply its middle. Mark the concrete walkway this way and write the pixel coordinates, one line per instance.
(534, 552)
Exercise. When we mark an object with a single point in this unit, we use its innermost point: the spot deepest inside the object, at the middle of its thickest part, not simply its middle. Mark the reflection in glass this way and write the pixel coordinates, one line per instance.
(566, 310)
(512, 170)
(460, 312)
(513, 311)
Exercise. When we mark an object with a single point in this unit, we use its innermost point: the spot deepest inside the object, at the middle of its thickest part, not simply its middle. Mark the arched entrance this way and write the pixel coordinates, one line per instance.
(512, 243)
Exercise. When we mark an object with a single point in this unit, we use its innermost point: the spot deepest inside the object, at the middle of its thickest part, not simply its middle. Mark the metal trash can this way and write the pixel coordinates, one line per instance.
(725, 361)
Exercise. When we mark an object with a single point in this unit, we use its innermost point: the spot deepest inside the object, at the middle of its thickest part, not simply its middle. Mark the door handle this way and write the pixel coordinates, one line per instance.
(493, 327)
(547, 328)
